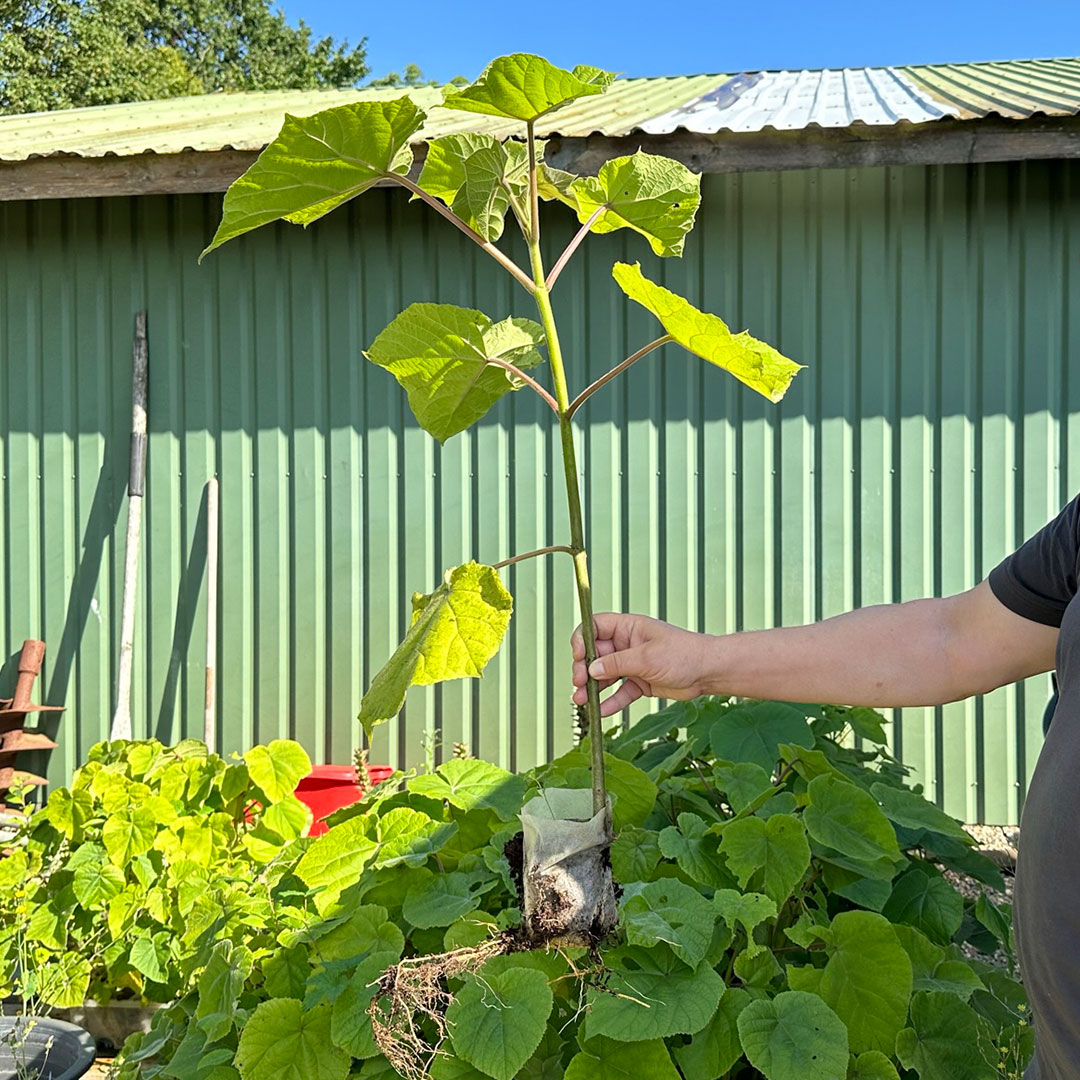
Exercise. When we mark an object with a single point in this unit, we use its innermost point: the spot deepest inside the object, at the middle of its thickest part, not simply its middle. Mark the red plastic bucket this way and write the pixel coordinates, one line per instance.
(330, 787)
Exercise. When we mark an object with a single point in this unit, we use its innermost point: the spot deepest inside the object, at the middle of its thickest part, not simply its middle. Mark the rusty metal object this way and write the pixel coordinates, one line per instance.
(14, 737)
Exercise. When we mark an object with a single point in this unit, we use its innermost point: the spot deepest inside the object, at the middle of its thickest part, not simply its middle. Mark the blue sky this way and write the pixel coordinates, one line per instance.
(689, 36)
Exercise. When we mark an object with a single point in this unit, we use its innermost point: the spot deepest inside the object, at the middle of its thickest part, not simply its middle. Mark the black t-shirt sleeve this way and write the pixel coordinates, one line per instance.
(1039, 580)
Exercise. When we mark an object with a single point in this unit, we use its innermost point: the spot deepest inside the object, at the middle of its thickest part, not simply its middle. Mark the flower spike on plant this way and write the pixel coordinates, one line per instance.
(455, 363)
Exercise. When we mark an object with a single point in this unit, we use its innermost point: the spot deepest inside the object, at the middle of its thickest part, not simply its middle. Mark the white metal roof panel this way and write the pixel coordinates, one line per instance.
(792, 100)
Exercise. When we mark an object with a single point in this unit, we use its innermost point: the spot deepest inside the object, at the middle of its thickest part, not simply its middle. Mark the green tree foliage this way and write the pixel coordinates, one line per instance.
(57, 54)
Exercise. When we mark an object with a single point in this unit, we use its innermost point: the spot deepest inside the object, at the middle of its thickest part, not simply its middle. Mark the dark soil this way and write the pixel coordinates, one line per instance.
(514, 850)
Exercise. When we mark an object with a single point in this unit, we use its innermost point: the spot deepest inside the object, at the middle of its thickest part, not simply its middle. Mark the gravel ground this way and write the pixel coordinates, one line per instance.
(998, 843)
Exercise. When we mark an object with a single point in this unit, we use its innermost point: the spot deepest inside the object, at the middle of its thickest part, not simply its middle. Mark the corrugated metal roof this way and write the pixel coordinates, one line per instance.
(780, 100)
(792, 100)
(248, 121)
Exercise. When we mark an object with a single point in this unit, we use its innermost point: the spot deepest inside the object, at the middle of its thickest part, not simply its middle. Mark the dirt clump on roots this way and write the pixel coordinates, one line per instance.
(408, 1011)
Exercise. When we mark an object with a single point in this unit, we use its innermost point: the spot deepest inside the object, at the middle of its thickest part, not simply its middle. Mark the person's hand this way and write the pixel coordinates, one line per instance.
(654, 658)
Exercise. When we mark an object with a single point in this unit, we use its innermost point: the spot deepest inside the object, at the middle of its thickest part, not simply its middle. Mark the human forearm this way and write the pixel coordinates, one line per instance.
(926, 652)
(893, 654)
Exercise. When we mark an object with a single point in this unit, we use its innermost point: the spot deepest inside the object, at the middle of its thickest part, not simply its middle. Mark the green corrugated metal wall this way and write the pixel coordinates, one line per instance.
(935, 427)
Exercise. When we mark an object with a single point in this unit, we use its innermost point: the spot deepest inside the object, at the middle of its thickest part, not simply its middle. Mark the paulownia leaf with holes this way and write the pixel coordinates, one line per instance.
(751, 361)
(318, 162)
(523, 86)
(455, 631)
(655, 196)
(442, 357)
(794, 1036)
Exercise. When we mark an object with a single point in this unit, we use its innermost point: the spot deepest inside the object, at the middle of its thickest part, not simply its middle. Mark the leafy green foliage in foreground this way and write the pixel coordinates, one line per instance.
(789, 921)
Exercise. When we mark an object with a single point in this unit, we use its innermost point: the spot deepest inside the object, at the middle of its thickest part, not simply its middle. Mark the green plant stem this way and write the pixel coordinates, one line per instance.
(618, 369)
(573, 491)
(504, 261)
(532, 555)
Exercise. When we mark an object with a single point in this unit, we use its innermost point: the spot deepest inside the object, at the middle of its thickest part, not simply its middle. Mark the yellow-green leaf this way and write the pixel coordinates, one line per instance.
(523, 86)
(751, 361)
(318, 162)
(455, 631)
(442, 356)
(655, 196)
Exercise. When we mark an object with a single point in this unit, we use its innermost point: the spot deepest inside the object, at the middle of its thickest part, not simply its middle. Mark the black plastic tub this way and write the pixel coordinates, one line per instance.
(39, 1048)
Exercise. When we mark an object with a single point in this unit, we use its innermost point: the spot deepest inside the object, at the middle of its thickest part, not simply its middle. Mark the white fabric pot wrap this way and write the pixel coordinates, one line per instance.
(566, 870)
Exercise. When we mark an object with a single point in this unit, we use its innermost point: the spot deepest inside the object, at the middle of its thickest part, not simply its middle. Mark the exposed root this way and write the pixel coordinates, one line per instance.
(414, 991)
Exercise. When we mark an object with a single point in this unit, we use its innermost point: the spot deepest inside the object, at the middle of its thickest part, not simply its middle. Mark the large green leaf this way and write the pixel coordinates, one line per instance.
(751, 361)
(925, 900)
(777, 847)
(441, 355)
(634, 854)
(942, 1042)
(867, 981)
(96, 882)
(916, 812)
(497, 1019)
(742, 782)
(441, 899)
(847, 819)
(455, 631)
(712, 1051)
(696, 849)
(471, 784)
(523, 86)
(753, 733)
(651, 994)
(338, 857)
(608, 1059)
(367, 931)
(794, 1036)
(129, 832)
(282, 1041)
(318, 162)
(277, 767)
(655, 196)
(407, 836)
(669, 911)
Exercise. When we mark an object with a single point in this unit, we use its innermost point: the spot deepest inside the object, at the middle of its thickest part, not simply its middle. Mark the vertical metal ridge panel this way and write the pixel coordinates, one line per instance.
(934, 428)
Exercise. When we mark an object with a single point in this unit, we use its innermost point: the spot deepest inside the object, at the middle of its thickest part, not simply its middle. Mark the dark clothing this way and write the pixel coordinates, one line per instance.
(1039, 582)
